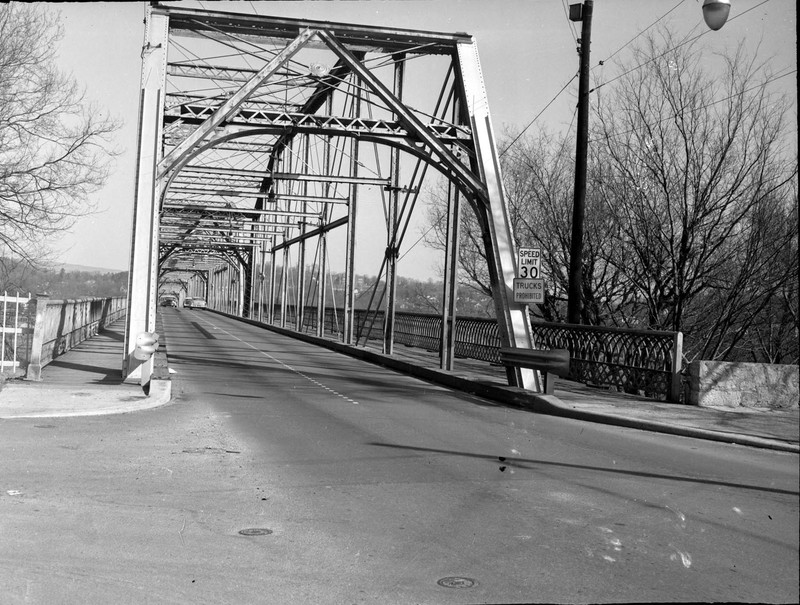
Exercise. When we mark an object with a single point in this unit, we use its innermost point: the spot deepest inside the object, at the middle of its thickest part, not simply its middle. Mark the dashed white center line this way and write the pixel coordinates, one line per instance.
(285, 365)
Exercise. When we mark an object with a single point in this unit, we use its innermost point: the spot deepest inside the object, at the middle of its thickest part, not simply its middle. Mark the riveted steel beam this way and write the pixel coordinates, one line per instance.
(293, 176)
(412, 123)
(223, 210)
(229, 107)
(254, 27)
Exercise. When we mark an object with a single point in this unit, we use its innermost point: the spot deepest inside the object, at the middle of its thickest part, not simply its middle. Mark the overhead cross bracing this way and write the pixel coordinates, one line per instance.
(274, 137)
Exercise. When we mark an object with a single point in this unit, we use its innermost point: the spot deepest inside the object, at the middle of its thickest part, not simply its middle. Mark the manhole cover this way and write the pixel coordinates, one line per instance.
(44, 426)
(456, 582)
(255, 531)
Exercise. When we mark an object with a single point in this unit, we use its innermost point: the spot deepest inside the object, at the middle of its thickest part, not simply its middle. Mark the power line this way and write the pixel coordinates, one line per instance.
(687, 41)
(563, 88)
(558, 94)
(564, 4)
(672, 116)
(661, 18)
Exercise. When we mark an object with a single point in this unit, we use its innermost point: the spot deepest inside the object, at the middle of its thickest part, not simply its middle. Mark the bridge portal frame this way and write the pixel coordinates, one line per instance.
(184, 201)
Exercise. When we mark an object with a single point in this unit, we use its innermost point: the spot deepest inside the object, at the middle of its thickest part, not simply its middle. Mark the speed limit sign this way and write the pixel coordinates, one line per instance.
(529, 263)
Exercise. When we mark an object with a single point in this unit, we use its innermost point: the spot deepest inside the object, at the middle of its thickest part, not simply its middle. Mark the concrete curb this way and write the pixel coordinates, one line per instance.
(561, 409)
(543, 404)
(159, 391)
(76, 402)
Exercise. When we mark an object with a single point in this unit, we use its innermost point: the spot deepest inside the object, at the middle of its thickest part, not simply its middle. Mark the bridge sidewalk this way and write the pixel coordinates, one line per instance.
(774, 429)
(87, 381)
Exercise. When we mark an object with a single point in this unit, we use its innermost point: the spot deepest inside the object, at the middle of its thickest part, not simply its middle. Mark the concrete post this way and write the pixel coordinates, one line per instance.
(677, 364)
(35, 362)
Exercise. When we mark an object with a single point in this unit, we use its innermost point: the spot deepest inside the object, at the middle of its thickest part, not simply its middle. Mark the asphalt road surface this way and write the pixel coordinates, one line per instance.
(284, 473)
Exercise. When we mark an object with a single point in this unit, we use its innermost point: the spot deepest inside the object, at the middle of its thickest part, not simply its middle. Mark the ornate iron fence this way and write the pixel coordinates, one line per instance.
(634, 361)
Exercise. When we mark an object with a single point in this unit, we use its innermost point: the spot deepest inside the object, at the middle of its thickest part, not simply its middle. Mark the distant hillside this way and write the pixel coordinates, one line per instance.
(85, 269)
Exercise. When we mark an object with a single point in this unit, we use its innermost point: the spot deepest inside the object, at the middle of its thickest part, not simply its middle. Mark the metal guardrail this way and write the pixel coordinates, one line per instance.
(551, 362)
(634, 361)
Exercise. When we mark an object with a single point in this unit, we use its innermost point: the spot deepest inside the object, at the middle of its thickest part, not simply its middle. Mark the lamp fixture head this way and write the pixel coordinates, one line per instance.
(715, 13)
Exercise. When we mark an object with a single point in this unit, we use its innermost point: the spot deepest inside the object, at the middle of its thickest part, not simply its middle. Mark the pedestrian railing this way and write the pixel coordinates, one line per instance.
(634, 361)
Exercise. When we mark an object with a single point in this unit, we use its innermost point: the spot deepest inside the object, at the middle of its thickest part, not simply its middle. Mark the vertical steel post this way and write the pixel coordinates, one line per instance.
(284, 283)
(392, 221)
(323, 237)
(301, 253)
(143, 276)
(450, 294)
(261, 282)
(349, 285)
(271, 297)
(240, 303)
(323, 270)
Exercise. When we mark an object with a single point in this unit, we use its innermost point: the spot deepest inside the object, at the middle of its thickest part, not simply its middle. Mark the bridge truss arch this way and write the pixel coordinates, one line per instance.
(259, 135)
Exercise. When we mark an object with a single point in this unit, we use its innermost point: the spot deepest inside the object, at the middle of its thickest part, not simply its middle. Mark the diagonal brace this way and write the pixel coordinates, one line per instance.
(231, 106)
(406, 117)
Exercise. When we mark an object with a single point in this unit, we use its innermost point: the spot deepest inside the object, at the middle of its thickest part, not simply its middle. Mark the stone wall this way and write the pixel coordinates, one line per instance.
(751, 385)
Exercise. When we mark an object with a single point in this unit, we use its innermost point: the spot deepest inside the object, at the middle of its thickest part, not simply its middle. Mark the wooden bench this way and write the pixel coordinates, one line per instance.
(549, 362)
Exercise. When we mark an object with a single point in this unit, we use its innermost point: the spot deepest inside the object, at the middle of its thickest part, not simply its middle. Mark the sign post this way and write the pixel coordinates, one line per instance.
(528, 288)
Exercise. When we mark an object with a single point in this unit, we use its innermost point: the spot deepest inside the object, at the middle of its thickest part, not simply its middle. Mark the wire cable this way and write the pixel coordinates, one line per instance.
(687, 41)
(674, 115)
(629, 42)
(558, 94)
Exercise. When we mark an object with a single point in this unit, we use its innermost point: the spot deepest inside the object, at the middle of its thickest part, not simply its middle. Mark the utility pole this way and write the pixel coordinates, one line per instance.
(581, 13)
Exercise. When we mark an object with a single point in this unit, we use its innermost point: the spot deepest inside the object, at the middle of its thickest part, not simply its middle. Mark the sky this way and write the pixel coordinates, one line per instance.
(527, 51)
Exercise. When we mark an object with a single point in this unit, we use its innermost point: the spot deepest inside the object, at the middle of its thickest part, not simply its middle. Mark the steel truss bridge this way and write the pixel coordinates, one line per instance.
(260, 138)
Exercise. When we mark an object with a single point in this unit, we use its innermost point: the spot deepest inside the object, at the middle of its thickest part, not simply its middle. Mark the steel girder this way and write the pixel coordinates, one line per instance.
(254, 134)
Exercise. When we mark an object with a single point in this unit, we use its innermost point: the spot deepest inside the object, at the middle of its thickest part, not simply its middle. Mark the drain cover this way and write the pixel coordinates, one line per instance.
(456, 582)
(255, 531)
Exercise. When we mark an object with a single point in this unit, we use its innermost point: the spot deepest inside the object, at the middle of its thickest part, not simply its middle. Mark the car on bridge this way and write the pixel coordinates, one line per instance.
(194, 303)
(169, 301)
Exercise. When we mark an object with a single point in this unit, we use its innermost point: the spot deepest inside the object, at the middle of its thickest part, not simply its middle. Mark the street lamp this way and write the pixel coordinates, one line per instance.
(715, 13)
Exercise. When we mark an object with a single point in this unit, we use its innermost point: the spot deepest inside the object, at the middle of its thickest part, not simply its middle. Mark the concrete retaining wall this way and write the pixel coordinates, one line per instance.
(64, 324)
(751, 385)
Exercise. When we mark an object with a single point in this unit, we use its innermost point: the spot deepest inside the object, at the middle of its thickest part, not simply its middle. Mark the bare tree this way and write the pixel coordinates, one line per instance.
(696, 173)
(691, 219)
(473, 270)
(54, 150)
(538, 175)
